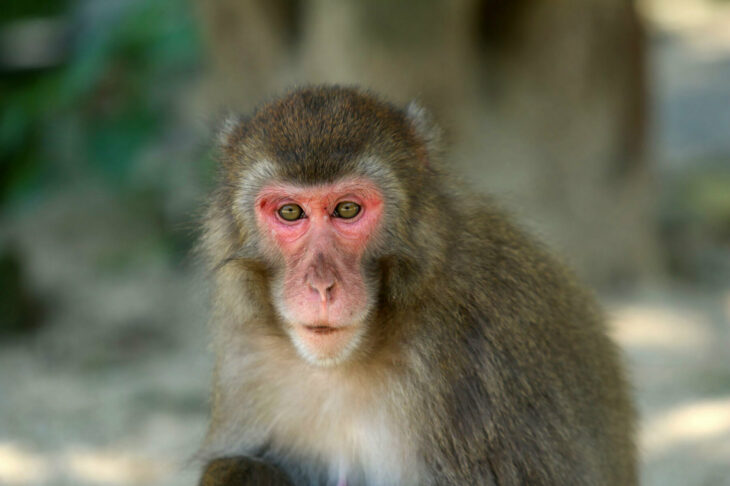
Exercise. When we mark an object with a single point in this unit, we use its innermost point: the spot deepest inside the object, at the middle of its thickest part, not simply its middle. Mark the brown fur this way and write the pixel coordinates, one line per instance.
(484, 362)
(240, 471)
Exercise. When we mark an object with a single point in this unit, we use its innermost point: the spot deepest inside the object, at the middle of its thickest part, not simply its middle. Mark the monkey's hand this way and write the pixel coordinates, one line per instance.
(242, 471)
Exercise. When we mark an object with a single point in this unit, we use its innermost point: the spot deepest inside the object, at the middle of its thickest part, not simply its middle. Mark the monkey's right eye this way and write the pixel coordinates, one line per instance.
(291, 212)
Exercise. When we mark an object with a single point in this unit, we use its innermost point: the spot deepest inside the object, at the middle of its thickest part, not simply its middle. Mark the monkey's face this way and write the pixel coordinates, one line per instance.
(320, 234)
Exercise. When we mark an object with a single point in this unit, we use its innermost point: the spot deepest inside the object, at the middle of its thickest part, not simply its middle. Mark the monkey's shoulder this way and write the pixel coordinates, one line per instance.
(489, 251)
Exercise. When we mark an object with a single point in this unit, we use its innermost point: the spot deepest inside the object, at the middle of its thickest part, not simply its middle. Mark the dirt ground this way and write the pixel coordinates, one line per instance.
(113, 388)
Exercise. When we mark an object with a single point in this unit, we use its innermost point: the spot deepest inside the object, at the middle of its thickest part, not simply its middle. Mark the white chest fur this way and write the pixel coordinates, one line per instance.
(355, 428)
(352, 428)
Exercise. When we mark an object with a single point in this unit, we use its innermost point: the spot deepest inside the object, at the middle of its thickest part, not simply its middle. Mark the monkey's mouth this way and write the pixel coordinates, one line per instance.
(324, 343)
(323, 330)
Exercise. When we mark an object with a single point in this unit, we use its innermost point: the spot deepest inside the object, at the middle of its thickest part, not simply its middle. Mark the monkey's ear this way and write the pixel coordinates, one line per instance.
(424, 127)
(230, 129)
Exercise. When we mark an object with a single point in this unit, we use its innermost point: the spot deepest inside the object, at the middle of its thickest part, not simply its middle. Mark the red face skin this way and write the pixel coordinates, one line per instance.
(323, 295)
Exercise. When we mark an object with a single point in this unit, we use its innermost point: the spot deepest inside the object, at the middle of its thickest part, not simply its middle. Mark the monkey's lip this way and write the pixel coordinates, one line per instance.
(323, 329)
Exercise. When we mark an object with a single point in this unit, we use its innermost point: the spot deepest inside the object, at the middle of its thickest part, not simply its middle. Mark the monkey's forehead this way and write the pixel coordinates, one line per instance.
(317, 133)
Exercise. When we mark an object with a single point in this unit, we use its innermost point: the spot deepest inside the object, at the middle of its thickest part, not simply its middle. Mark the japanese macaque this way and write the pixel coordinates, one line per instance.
(374, 325)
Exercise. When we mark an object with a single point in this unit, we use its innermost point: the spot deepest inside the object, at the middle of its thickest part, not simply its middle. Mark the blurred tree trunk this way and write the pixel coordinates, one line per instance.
(542, 100)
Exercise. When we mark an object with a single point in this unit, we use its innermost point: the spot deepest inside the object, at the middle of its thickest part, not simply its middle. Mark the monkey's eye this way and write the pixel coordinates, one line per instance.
(291, 212)
(347, 210)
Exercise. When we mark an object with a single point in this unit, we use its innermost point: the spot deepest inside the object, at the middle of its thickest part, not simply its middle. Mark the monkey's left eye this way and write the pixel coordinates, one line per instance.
(291, 212)
(347, 210)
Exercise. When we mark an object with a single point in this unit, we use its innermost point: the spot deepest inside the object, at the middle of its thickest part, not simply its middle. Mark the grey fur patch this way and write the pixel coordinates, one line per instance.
(228, 126)
(424, 126)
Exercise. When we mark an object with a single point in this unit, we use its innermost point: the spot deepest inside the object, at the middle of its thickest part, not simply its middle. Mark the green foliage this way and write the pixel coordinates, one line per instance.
(22, 9)
(105, 105)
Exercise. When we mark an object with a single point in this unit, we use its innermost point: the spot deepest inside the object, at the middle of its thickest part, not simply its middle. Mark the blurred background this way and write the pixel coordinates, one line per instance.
(602, 125)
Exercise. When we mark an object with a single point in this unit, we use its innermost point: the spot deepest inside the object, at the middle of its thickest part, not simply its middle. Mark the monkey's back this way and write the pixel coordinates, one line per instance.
(526, 373)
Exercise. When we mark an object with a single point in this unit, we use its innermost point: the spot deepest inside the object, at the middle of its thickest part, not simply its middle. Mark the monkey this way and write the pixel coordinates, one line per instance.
(375, 323)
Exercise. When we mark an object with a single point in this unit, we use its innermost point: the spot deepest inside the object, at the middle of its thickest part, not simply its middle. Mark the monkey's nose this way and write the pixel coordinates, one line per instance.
(323, 287)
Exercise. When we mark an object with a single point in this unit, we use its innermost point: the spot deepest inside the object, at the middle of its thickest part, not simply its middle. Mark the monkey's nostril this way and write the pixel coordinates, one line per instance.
(322, 288)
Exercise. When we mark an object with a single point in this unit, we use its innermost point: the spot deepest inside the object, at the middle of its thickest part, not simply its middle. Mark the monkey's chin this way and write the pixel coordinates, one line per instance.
(325, 345)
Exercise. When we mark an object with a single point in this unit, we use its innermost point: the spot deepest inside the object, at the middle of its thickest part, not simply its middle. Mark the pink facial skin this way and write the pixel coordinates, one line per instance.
(323, 295)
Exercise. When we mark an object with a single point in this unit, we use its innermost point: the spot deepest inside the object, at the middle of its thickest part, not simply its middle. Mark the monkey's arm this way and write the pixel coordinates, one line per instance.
(242, 471)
